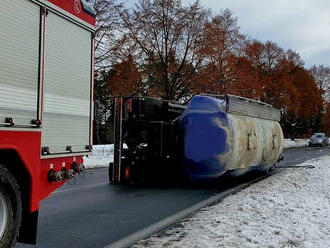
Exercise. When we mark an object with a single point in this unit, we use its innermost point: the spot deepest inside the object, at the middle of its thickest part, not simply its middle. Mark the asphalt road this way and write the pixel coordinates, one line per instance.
(92, 213)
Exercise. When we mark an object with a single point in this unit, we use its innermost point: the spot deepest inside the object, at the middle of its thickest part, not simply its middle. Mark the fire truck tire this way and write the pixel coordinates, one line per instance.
(10, 208)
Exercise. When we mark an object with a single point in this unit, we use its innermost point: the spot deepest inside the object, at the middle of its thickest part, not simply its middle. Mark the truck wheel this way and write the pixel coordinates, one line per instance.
(10, 208)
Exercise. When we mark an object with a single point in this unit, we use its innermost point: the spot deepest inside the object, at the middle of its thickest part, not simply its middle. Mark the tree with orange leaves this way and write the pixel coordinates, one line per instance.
(125, 79)
(298, 96)
(222, 41)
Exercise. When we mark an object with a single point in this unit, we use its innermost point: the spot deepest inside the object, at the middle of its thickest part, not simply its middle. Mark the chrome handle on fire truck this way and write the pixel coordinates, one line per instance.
(19, 125)
(9, 122)
(5, 124)
(45, 151)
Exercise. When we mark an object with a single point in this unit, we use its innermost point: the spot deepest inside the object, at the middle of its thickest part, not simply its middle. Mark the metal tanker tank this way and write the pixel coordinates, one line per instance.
(229, 133)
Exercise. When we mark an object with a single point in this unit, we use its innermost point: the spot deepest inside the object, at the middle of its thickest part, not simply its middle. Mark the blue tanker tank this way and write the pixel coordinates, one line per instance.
(229, 134)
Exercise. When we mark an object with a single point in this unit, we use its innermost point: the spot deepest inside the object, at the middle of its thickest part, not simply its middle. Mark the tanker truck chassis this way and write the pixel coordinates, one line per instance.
(212, 135)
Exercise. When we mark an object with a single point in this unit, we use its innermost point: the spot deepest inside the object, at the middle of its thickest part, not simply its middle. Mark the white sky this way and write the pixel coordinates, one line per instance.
(302, 25)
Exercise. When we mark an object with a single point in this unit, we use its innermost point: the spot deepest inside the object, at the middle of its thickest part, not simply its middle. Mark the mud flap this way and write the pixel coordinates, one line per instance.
(28, 231)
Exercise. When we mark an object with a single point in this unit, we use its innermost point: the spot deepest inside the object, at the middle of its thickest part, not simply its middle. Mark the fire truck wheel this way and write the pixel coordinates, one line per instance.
(10, 208)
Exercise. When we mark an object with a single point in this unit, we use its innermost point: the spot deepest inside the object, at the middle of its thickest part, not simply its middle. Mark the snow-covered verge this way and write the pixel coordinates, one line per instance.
(288, 209)
(295, 143)
(101, 156)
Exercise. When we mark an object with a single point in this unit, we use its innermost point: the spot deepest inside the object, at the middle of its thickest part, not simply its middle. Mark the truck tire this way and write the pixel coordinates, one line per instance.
(10, 208)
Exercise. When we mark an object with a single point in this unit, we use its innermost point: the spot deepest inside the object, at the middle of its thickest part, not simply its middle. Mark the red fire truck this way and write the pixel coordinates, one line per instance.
(46, 107)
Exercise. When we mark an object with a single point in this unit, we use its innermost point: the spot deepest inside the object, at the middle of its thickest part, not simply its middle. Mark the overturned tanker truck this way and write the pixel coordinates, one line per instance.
(213, 135)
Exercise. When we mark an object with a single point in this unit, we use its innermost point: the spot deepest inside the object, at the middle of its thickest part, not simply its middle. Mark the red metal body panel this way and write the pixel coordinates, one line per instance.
(74, 7)
(45, 187)
(27, 146)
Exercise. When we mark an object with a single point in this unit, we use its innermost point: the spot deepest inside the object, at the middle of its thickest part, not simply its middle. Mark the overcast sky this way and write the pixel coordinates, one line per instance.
(302, 25)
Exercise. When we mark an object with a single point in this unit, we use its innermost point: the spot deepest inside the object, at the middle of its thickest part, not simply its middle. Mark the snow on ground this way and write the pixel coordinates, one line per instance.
(295, 143)
(102, 155)
(289, 209)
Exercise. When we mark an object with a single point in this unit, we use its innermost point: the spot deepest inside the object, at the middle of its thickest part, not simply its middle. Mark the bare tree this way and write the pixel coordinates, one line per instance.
(106, 54)
(321, 75)
(107, 34)
(272, 56)
(166, 37)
